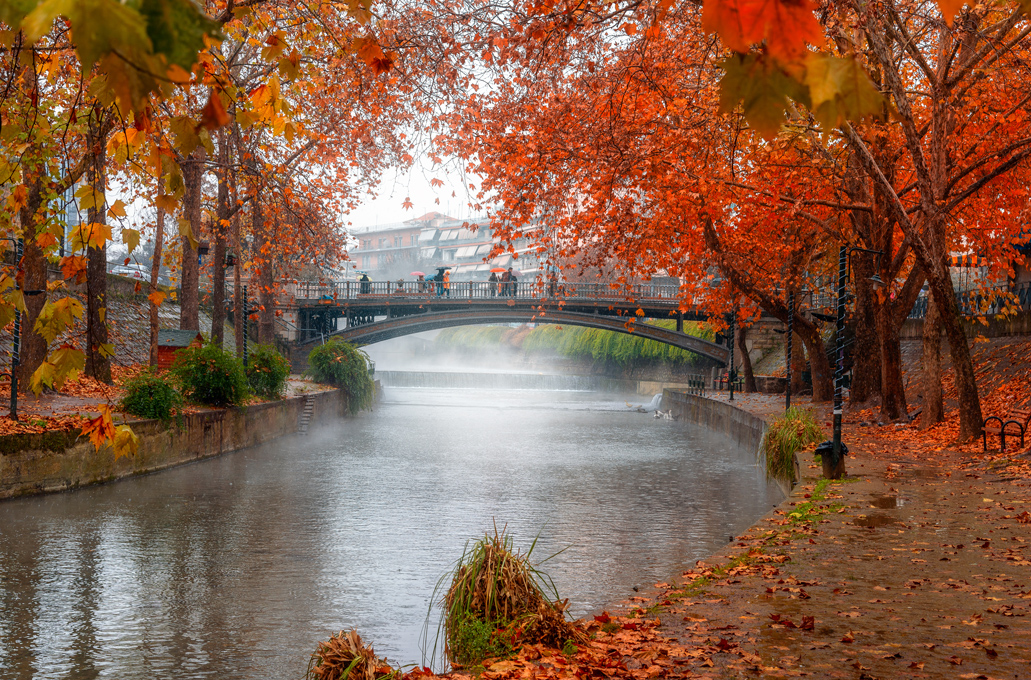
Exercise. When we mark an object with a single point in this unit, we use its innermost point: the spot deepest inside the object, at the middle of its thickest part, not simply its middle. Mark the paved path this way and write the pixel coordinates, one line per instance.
(911, 567)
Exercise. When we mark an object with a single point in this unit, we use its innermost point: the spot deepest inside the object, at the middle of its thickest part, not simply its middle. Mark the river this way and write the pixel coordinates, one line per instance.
(236, 567)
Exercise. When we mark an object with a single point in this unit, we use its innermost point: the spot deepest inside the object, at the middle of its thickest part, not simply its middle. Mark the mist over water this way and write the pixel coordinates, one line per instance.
(236, 567)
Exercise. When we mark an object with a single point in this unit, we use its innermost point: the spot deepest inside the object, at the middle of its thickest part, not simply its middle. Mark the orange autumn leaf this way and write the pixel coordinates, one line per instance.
(372, 54)
(157, 297)
(214, 114)
(100, 430)
(786, 25)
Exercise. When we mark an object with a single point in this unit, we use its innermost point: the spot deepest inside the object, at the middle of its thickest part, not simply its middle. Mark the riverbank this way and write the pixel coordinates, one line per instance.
(44, 461)
(915, 565)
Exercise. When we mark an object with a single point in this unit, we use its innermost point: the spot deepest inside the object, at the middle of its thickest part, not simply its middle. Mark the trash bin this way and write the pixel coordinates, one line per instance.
(826, 451)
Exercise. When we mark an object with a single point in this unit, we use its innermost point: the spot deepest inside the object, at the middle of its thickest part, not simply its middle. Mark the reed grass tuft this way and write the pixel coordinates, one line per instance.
(787, 435)
(496, 601)
(346, 657)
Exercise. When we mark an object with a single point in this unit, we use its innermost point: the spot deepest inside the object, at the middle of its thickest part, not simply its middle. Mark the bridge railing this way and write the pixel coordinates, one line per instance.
(482, 291)
(987, 302)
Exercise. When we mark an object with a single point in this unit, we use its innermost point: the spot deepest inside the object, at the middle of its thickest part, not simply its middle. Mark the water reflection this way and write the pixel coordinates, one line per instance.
(236, 567)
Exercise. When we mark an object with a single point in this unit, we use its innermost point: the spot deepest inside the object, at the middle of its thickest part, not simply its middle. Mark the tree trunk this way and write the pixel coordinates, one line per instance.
(155, 272)
(34, 267)
(239, 305)
(893, 391)
(933, 407)
(263, 260)
(970, 422)
(866, 352)
(218, 259)
(98, 361)
(189, 300)
(823, 383)
(746, 361)
(797, 363)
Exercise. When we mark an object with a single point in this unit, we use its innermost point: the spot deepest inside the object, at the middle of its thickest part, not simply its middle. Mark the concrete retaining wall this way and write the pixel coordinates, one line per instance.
(745, 429)
(41, 463)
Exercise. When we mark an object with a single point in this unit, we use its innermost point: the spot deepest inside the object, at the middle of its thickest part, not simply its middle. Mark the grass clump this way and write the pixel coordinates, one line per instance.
(346, 657)
(267, 371)
(342, 365)
(796, 429)
(498, 600)
(210, 375)
(151, 395)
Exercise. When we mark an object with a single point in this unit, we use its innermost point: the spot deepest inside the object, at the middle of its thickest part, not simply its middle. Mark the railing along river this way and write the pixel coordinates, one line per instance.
(486, 290)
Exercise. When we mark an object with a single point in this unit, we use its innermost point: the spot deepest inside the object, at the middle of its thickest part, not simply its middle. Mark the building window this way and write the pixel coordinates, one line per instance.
(365, 261)
(397, 241)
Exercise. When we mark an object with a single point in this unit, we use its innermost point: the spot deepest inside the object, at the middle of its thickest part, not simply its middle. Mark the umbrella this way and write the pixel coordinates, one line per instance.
(498, 270)
(418, 274)
(440, 269)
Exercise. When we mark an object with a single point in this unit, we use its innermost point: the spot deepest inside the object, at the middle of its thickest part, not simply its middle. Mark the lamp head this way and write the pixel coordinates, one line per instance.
(876, 281)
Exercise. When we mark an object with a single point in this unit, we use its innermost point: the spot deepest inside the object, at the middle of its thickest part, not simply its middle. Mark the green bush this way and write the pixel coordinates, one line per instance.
(473, 641)
(267, 371)
(342, 365)
(151, 395)
(210, 375)
(794, 430)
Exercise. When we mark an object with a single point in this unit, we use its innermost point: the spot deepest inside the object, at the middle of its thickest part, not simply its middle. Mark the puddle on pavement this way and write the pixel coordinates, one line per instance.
(887, 502)
(874, 520)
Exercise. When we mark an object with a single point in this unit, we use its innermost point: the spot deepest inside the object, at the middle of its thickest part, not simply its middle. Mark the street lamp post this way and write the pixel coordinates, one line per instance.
(16, 342)
(791, 319)
(246, 320)
(834, 468)
(730, 368)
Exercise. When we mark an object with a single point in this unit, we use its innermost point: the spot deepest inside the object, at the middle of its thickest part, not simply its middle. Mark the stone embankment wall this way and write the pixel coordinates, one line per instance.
(41, 463)
(747, 430)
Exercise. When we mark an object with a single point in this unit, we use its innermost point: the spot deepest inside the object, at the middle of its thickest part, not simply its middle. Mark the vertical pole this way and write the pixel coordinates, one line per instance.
(730, 369)
(791, 320)
(839, 365)
(15, 360)
(244, 309)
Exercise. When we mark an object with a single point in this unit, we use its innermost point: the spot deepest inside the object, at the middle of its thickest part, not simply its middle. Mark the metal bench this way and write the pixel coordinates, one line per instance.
(1015, 422)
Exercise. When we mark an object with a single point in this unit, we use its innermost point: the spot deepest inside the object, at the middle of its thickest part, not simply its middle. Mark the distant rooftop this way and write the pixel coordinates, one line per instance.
(416, 223)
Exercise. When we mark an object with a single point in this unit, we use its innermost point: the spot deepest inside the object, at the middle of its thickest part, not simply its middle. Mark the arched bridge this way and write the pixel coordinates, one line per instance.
(370, 312)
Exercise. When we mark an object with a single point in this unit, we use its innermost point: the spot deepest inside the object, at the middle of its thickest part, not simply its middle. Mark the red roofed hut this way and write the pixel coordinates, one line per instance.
(170, 342)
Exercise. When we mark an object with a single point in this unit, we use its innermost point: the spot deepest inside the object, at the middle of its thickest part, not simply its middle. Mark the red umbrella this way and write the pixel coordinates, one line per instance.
(498, 270)
(418, 274)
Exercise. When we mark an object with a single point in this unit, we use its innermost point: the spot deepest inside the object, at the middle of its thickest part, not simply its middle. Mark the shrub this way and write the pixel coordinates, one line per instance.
(794, 430)
(267, 371)
(210, 375)
(151, 395)
(498, 600)
(342, 365)
(346, 657)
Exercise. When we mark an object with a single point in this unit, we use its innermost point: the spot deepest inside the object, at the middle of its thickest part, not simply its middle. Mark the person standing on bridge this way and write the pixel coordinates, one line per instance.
(447, 282)
(506, 277)
(439, 280)
(493, 281)
(366, 283)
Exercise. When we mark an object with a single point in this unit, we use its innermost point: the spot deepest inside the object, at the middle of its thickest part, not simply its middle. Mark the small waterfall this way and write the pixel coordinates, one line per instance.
(500, 381)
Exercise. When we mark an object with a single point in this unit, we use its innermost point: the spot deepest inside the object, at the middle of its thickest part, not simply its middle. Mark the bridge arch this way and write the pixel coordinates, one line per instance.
(378, 331)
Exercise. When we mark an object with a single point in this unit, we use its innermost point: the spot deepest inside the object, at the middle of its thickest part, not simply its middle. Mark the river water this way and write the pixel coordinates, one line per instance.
(236, 567)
